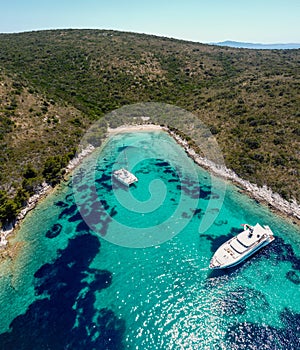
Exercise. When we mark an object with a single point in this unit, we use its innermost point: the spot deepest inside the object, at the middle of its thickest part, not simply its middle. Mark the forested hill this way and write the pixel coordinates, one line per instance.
(54, 84)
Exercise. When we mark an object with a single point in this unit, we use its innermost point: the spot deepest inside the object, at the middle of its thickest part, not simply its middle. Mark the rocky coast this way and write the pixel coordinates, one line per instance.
(261, 194)
(41, 192)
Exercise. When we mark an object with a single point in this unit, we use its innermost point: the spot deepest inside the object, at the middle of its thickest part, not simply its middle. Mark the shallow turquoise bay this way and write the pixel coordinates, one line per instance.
(101, 266)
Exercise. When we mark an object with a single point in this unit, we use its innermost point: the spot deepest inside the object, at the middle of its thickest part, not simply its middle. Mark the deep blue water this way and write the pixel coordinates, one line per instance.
(99, 266)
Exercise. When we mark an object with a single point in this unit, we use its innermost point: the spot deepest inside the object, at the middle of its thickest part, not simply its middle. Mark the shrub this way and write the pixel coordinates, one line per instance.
(52, 169)
(252, 143)
(8, 208)
(30, 172)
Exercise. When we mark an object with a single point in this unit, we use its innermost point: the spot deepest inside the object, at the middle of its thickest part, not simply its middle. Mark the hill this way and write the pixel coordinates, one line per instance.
(259, 46)
(54, 84)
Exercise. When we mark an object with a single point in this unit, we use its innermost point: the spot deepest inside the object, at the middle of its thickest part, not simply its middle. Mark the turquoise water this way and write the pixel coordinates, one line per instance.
(100, 266)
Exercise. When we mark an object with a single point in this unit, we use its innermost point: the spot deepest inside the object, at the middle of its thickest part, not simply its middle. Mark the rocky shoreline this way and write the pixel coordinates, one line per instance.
(262, 194)
(42, 191)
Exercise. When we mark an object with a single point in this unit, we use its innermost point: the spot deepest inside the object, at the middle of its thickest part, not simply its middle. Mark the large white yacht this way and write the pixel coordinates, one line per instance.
(125, 177)
(240, 247)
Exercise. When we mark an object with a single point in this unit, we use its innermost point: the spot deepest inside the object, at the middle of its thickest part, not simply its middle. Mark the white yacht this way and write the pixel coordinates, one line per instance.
(125, 177)
(240, 247)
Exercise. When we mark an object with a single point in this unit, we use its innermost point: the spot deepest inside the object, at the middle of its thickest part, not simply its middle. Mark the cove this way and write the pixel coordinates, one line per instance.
(80, 278)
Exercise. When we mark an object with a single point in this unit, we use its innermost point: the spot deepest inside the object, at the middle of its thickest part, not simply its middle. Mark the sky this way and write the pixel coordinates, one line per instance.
(256, 21)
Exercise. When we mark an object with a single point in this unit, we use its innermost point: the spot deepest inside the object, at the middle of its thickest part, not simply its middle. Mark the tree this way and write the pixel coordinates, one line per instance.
(30, 172)
(8, 208)
(52, 169)
(21, 197)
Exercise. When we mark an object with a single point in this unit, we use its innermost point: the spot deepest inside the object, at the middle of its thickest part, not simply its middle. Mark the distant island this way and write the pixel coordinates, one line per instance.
(258, 46)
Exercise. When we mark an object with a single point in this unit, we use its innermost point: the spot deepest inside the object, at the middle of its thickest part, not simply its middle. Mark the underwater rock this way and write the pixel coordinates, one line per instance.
(293, 277)
(54, 231)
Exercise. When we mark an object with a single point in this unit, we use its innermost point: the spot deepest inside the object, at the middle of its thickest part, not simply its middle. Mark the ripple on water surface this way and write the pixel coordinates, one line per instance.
(72, 288)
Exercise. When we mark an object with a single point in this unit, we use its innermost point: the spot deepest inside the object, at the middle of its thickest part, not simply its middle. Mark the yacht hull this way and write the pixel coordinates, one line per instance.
(241, 247)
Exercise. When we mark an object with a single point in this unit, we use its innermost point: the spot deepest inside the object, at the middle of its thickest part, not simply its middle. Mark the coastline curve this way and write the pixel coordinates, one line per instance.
(147, 116)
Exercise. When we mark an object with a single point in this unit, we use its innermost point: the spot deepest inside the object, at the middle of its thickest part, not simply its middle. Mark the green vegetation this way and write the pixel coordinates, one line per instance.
(55, 84)
(53, 170)
(10, 206)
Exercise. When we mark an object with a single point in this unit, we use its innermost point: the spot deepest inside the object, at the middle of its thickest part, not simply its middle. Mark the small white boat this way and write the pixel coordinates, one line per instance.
(124, 176)
(240, 247)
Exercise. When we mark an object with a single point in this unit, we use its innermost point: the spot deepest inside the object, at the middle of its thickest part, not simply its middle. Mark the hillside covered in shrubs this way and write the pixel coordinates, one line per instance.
(55, 84)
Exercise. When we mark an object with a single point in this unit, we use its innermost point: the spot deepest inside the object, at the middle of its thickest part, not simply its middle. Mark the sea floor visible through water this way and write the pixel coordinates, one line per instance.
(102, 266)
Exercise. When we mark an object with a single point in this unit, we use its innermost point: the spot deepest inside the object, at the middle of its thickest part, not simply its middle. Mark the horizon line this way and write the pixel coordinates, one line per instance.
(152, 34)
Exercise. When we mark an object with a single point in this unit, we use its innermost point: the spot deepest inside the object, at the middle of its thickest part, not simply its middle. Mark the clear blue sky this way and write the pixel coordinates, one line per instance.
(265, 21)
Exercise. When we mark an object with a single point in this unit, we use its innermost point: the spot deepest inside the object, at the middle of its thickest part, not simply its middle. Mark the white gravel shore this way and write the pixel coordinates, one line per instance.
(262, 194)
(132, 128)
(42, 191)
